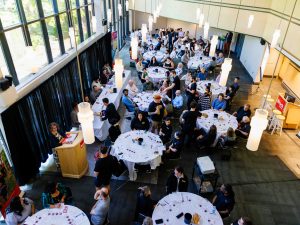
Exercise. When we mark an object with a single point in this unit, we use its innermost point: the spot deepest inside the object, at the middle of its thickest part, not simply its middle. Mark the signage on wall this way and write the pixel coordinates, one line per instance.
(280, 103)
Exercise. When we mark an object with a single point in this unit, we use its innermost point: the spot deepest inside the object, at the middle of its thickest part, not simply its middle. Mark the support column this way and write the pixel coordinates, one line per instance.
(99, 13)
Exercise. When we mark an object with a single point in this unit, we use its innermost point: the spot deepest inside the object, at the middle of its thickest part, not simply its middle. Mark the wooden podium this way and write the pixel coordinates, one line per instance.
(72, 158)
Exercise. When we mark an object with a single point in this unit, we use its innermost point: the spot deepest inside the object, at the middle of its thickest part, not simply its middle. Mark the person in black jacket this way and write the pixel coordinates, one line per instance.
(114, 132)
(224, 200)
(177, 181)
(140, 122)
(175, 148)
(145, 204)
(56, 135)
(111, 113)
(166, 131)
(206, 139)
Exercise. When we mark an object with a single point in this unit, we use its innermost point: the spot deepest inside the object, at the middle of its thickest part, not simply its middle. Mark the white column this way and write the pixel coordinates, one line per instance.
(130, 20)
(99, 13)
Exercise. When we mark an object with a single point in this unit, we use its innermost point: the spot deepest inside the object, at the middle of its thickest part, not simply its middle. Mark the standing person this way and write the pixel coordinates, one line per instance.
(111, 113)
(74, 118)
(178, 100)
(170, 38)
(228, 40)
(205, 100)
(175, 84)
(156, 112)
(189, 122)
(145, 204)
(224, 200)
(103, 169)
(19, 210)
(177, 181)
(191, 91)
(236, 85)
(100, 210)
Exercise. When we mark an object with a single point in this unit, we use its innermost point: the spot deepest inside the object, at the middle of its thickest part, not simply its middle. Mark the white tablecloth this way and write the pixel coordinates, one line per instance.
(224, 121)
(64, 215)
(156, 76)
(183, 202)
(144, 99)
(101, 127)
(195, 62)
(215, 88)
(127, 149)
(158, 55)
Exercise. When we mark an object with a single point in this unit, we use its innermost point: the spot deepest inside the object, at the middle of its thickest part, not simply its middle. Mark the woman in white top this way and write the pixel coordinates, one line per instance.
(179, 68)
(139, 66)
(132, 89)
(20, 209)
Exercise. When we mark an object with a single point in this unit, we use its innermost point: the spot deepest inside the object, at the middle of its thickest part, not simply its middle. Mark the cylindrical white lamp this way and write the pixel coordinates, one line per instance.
(144, 32)
(201, 20)
(226, 67)
(134, 47)
(127, 5)
(150, 20)
(154, 16)
(250, 21)
(205, 31)
(275, 38)
(86, 118)
(109, 15)
(120, 9)
(119, 68)
(258, 124)
(213, 45)
(72, 36)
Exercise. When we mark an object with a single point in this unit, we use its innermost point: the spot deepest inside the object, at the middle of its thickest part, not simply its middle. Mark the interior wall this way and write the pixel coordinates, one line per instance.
(252, 55)
(140, 17)
(272, 60)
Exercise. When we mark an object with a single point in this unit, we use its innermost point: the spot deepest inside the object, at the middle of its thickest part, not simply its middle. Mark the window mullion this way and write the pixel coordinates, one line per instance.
(23, 20)
(58, 26)
(79, 21)
(87, 15)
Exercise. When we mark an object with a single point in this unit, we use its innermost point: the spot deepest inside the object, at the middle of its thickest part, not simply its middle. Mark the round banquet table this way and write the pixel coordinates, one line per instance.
(144, 99)
(158, 55)
(126, 148)
(183, 202)
(157, 76)
(195, 62)
(215, 88)
(223, 122)
(66, 214)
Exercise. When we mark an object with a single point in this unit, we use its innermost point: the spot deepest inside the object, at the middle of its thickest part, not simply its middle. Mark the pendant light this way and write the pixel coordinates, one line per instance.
(213, 45)
(109, 14)
(205, 30)
(127, 5)
(144, 32)
(86, 118)
(250, 21)
(119, 69)
(150, 21)
(134, 47)
(120, 9)
(275, 38)
(226, 68)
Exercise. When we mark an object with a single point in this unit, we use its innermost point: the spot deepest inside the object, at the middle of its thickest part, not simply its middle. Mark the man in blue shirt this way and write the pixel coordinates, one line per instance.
(178, 100)
(128, 102)
(219, 103)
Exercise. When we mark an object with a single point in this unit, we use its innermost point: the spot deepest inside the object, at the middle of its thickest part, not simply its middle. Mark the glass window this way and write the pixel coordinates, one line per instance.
(84, 23)
(76, 27)
(27, 60)
(3, 66)
(73, 4)
(30, 9)
(8, 13)
(65, 30)
(61, 5)
(92, 21)
(53, 37)
(47, 7)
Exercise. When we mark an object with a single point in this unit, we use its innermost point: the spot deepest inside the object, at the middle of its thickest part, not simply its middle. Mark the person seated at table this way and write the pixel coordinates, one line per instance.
(114, 132)
(177, 181)
(145, 204)
(104, 76)
(206, 139)
(244, 128)
(220, 59)
(111, 113)
(242, 111)
(156, 111)
(224, 200)
(159, 44)
(128, 102)
(228, 139)
(132, 88)
(108, 69)
(204, 102)
(236, 85)
(96, 82)
(55, 194)
(18, 210)
(139, 67)
(140, 122)
(219, 103)
(99, 211)
(163, 48)
(153, 62)
(206, 51)
(164, 87)
(96, 91)
(166, 130)
(191, 91)
(242, 221)
(173, 54)
(148, 85)
(87, 99)
(140, 49)
(178, 100)
(201, 74)
(144, 75)
(174, 148)
(179, 69)
(149, 221)
(57, 136)
(151, 47)
(229, 94)
(212, 65)
(186, 56)
(168, 64)
(188, 78)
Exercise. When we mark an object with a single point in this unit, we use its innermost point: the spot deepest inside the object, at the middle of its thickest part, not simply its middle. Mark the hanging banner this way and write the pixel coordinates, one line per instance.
(8, 183)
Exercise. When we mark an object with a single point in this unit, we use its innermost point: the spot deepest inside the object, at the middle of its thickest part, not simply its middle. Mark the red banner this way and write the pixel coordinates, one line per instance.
(280, 103)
